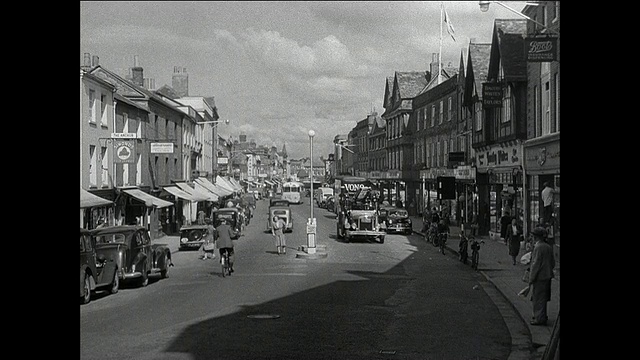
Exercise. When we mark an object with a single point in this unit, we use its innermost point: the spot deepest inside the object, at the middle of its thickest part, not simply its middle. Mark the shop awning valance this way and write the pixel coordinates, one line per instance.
(177, 192)
(218, 190)
(269, 182)
(224, 183)
(212, 196)
(88, 200)
(146, 198)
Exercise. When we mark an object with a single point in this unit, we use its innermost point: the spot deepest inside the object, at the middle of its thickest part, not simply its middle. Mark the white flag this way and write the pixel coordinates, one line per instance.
(450, 28)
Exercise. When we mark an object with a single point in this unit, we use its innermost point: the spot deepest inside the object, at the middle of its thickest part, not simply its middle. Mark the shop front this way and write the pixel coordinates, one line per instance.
(135, 206)
(93, 207)
(466, 210)
(541, 165)
(499, 187)
(429, 192)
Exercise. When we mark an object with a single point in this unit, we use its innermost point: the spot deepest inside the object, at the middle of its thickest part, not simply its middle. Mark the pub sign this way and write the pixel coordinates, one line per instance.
(492, 95)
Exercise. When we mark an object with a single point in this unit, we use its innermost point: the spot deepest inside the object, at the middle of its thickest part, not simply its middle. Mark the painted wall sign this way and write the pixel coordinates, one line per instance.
(499, 156)
(124, 151)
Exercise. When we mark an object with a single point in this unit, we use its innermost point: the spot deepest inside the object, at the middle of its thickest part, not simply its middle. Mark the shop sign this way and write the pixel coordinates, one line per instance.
(434, 173)
(465, 173)
(124, 151)
(543, 157)
(223, 160)
(393, 174)
(541, 48)
(124, 135)
(491, 95)
(375, 175)
(162, 148)
(500, 156)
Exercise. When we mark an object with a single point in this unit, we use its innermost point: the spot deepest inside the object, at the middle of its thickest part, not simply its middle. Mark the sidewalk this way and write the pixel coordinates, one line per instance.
(496, 266)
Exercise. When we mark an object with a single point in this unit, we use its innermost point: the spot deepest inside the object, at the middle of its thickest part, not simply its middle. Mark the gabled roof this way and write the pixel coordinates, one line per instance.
(477, 70)
(507, 49)
(410, 83)
(446, 73)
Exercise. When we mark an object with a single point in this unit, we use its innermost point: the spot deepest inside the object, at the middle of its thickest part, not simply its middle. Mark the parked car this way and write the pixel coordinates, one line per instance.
(331, 203)
(284, 213)
(232, 215)
(97, 272)
(321, 196)
(395, 220)
(192, 236)
(129, 246)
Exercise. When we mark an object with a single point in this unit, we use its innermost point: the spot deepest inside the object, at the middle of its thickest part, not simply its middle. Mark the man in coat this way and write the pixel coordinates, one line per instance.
(224, 240)
(542, 264)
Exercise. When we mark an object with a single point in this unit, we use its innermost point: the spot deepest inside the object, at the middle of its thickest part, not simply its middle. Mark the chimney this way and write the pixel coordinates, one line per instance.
(136, 72)
(86, 64)
(434, 65)
(180, 81)
(96, 61)
(150, 83)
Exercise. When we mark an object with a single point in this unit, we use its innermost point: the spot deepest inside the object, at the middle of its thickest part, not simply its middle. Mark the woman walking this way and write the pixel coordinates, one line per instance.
(513, 237)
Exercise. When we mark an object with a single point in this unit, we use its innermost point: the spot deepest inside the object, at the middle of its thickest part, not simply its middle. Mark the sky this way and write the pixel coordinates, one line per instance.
(280, 69)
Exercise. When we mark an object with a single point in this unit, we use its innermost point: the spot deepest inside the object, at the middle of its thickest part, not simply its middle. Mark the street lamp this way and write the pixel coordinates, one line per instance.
(311, 224)
(484, 7)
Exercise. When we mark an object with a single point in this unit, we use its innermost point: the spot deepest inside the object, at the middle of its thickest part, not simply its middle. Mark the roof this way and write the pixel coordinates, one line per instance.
(478, 65)
(410, 83)
(508, 44)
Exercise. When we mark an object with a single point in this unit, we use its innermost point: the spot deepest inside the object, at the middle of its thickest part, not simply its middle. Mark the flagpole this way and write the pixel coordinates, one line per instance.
(440, 51)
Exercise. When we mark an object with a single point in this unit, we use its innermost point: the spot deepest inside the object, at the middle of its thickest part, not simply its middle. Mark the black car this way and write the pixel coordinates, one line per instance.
(97, 272)
(396, 220)
(129, 246)
(192, 236)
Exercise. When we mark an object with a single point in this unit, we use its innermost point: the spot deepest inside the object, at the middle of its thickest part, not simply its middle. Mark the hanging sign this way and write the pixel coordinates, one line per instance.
(491, 95)
(541, 48)
(124, 151)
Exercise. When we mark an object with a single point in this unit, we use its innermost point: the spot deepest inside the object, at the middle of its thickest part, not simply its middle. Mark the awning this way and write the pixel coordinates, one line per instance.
(146, 198)
(212, 196)
(197, 195)
(237, 184)
(177, 192)
(88, 199)
(224, 183)
(269, 182)
(218, 190)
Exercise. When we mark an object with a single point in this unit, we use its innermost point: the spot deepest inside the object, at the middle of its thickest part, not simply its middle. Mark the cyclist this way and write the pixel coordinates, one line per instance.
(224, 234)
(443, 229)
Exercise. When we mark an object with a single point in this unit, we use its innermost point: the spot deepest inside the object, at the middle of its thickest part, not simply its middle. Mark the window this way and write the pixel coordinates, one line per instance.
(478, 108)
(92, 104)
(103, 112)
(556, 95)
(125, 175)
(125, 119)
(445, 152)
(105, 167)
(166, 129)
(438, 153)
(536, 113)
(441, 112)
(546, 99)
(452, 145)
(506, 105)
(139, 128)
(418, 118)
(92, 166)
(544, 15)
(433, 115)
(554, 11)
(155, 125)
(450, 109)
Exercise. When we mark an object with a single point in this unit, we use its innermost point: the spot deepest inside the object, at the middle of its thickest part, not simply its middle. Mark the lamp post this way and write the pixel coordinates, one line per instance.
(484, 7)
(311, 224)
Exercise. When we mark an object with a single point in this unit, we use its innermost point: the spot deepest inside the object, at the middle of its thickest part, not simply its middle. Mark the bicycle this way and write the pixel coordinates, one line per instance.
(475, 252)
(224, 263)
(442, 239)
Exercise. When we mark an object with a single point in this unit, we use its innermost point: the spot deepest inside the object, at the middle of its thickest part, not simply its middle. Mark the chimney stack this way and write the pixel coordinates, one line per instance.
(86, 65)
(435, 71)
(180, 81)
(136, 72)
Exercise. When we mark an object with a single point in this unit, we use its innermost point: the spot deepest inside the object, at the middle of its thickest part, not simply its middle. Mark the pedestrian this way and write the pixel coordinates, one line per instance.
(277, 230)
(504, 223)
(201, 217)
(547, 202)
(513, 239)
(224, 235)
(540, 275)
(209, 244)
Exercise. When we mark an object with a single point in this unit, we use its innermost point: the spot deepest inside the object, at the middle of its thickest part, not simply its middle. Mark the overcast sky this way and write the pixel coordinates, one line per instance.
(279, 69)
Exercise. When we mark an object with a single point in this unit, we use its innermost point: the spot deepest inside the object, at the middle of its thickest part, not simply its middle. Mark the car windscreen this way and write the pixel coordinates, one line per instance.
(228, 216)
(110, 239)
(280, 212)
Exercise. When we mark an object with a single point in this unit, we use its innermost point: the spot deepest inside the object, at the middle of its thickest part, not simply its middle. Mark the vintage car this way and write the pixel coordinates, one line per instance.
(129, 246)
(394, 219)
(97, 272)
(192, 236)
(278, 202)
(232, 215)
(284, 213)
(358, 219)
(330, 203)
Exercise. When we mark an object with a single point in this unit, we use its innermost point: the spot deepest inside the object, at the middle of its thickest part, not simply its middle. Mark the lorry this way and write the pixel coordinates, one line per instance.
(357, 214)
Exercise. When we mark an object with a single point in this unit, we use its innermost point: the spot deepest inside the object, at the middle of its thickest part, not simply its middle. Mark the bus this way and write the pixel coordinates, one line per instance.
(291, 191)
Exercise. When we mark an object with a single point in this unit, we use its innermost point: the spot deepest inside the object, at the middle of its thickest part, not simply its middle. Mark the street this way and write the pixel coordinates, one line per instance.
(365, 300)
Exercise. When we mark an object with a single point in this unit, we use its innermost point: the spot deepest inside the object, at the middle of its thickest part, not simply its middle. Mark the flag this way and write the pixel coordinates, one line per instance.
(450, 28)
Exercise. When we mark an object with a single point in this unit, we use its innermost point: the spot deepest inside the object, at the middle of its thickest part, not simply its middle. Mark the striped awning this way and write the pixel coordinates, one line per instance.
(218, 190)
(177, 192)
(197, 194)
(88, 200)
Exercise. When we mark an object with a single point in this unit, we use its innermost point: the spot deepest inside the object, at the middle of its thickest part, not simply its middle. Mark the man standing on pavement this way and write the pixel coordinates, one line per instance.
(541, 273)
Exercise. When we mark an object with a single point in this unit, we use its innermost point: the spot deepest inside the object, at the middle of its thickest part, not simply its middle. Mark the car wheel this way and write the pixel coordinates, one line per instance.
(164, 273)
(115, 284)
(86, 298)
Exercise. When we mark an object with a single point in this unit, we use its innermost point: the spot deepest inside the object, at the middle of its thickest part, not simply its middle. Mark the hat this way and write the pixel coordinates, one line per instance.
(539, 231)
